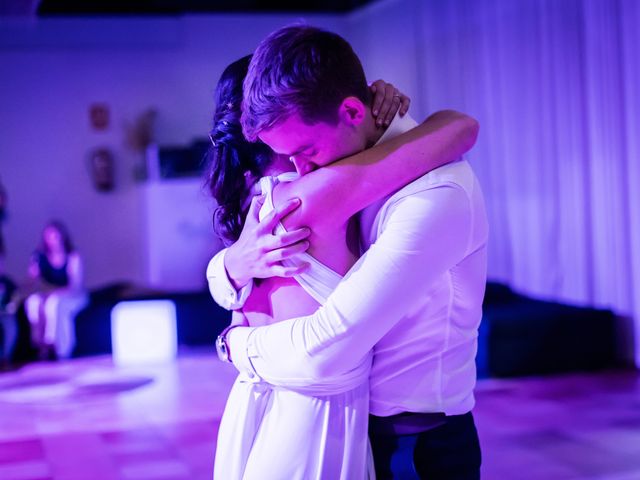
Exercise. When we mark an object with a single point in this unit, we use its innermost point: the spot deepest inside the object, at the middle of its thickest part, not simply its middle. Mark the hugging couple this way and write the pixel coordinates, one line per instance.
(355, 270)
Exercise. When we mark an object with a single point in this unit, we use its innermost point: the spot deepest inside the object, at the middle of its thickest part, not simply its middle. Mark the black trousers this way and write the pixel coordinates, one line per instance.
(448, 452)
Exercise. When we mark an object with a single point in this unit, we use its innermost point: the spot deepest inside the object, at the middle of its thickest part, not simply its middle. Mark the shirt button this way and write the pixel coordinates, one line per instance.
(251, 375)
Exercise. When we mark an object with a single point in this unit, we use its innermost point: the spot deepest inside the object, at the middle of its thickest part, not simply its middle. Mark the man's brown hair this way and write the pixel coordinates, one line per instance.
(301, 70)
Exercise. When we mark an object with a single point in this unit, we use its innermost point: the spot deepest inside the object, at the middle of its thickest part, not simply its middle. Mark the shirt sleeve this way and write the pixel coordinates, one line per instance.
(220, 287)
(423, 236)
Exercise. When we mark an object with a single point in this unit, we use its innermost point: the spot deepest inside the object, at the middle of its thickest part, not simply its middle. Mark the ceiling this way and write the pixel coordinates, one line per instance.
(45, 8)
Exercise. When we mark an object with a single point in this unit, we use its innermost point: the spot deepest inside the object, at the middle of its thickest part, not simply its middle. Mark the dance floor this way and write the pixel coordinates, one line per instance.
(85, 419)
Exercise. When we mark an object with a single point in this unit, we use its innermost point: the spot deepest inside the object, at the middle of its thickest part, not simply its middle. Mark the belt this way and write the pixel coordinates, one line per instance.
(406, 423)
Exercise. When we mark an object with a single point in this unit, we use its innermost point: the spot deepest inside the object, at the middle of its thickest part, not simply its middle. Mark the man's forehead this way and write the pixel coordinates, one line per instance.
(288, 137)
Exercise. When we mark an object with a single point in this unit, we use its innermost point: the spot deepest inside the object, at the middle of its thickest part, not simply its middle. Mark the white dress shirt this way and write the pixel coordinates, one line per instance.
(415, 297)
(220, 287)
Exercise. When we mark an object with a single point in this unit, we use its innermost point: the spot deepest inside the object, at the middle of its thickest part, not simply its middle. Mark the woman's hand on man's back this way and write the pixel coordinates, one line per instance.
(259, 251)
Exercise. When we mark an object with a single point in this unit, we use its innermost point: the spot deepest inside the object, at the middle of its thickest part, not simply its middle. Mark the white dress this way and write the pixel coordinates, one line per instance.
(297, 433)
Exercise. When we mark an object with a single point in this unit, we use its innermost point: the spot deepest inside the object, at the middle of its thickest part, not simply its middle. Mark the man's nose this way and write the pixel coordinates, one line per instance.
(302, 166)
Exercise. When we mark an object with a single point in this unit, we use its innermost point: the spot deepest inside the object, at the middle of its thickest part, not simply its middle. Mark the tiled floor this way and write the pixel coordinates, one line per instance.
(581, 426)
(87, 420)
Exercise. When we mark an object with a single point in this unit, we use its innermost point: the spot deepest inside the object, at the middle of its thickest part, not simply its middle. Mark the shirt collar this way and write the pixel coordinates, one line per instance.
(397, 126)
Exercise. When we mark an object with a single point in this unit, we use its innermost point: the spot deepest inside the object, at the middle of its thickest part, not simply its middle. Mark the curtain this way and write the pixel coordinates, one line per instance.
(555, 85)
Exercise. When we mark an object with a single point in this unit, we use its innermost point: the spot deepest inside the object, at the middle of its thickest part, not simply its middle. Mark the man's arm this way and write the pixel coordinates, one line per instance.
(425, 235)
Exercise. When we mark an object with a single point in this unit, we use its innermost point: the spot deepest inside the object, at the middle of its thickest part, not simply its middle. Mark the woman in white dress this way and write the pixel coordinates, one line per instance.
(310, 432)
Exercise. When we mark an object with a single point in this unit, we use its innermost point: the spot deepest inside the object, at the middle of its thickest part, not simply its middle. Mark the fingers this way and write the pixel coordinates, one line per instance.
(389, 106)
(280, 254)
(378, 90)
(282, 271)
(388, 101)
(289, 238)
(404, 104)
(394, 106)
(271, 220)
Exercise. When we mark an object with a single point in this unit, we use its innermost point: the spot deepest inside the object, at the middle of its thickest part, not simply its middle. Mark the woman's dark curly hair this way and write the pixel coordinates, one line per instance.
(231, 157)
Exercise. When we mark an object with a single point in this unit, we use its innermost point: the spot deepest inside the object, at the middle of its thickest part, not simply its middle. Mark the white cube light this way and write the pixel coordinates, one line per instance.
(143, 332)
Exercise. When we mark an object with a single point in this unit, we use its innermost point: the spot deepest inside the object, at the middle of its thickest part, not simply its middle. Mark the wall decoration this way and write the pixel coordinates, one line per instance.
(139, 135)
(102, 168)
(99, 116)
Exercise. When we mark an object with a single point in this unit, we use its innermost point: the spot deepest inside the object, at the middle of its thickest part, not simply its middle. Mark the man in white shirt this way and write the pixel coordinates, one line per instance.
(415, 295)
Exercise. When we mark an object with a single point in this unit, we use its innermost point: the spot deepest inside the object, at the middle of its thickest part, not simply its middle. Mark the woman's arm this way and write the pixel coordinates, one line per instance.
(75, 271)
(332, 194)
(34, 268)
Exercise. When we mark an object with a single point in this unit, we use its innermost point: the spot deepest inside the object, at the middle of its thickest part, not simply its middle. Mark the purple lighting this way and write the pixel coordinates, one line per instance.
(97, 115)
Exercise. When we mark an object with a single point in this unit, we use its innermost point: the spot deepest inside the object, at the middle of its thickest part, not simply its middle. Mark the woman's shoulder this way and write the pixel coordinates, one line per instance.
(283, 183)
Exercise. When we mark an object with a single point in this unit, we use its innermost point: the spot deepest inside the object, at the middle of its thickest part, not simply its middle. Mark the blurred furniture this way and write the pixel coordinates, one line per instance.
(198, 319)
(518, 335)
(8, 335)
(143, 332)
(524, 336)
(8, 321)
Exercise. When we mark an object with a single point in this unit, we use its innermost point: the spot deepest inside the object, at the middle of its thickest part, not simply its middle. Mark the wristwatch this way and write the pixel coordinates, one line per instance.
(222, 346)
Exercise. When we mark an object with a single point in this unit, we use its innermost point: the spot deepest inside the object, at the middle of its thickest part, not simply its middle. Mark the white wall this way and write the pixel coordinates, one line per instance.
(52, 70)
(177, 241)
(385, 35)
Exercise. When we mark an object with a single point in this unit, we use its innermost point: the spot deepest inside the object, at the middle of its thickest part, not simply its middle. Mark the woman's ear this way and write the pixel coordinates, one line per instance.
(352, 111)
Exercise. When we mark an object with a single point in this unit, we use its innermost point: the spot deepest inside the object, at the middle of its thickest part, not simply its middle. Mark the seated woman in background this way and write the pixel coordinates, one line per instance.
(57, 268)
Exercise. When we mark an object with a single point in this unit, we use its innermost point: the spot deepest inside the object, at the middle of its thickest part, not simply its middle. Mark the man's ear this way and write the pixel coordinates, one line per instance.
(352, 111)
